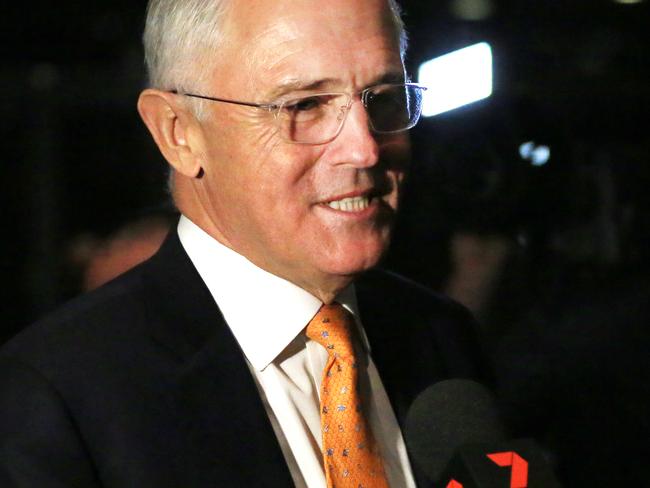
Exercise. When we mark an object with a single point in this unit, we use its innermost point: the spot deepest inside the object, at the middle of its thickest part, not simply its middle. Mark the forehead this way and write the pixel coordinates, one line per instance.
(345, 41)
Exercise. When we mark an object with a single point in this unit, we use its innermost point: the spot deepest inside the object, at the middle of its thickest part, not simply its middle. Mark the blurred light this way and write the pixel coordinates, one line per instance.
(472, 10)
(456, 79)
(628, 2)
(537, 155)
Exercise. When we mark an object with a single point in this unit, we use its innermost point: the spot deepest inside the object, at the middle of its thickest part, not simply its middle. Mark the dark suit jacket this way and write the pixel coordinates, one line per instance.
(141, 383)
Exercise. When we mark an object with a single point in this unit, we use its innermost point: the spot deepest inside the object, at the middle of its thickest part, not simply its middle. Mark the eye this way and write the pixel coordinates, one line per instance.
(384, 94)
(304, 104)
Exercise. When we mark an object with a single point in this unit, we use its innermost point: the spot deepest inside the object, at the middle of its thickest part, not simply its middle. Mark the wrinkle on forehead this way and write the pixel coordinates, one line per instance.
(265, 34)
(248, 19)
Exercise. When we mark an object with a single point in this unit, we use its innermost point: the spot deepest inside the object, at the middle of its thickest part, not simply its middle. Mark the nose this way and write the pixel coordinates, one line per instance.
(356, 144)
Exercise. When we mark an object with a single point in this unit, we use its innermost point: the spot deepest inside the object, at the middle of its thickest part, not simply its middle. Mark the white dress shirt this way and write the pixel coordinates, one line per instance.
(267, 316)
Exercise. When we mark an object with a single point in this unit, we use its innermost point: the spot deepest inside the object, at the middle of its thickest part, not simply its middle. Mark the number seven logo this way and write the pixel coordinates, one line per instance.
(519, 467)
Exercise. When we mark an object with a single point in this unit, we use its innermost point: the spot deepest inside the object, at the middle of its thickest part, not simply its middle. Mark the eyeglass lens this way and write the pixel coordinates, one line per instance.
(318, 118)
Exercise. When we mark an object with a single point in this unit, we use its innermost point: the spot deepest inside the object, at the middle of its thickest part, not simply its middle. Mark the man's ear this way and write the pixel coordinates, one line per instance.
(170, 124)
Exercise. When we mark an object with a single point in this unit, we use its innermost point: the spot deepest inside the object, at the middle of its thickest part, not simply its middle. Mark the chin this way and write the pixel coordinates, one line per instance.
(356, 260)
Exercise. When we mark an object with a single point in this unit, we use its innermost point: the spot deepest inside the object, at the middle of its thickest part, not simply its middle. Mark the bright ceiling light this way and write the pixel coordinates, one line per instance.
(456, 79)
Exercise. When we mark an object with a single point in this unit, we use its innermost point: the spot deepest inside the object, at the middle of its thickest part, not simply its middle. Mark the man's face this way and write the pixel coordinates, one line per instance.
(270, 200)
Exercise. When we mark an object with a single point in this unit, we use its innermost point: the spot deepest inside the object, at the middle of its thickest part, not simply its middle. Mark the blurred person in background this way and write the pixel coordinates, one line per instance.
(95, 261)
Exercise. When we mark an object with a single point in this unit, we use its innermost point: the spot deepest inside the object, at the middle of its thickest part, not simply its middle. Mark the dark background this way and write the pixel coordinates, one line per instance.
(565, 316)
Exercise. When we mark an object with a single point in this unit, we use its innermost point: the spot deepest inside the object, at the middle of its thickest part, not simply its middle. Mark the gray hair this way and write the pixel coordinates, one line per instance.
(176, 39)
(179, 34)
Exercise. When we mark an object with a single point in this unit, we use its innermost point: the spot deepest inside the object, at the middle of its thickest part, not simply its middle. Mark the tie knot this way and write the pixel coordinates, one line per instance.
(331, 327)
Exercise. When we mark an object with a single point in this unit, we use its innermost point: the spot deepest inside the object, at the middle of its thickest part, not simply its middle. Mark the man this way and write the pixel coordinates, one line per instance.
(285, 124)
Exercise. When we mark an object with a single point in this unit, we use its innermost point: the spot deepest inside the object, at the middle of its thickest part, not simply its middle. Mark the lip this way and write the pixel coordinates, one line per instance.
(370, 193)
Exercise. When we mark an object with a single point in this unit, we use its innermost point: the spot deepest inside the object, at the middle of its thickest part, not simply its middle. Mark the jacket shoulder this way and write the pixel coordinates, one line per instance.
(86, 324)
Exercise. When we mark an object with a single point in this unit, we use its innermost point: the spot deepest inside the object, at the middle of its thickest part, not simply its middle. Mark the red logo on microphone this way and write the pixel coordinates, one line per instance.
(519, 467)
(454, 484)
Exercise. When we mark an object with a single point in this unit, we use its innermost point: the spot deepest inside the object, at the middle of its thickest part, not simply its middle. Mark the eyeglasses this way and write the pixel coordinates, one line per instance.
(318, 118)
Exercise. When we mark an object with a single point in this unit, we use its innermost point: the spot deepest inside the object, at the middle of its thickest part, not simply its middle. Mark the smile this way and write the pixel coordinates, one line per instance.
(354, 204)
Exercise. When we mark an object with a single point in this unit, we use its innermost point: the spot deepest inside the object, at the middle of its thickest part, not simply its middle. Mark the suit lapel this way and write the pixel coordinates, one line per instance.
(417, 339)
(228, 431)
(229, 440)
(403, 346)
(401, 339)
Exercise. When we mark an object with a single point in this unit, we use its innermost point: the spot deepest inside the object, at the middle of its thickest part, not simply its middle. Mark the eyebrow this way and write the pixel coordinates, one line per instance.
(291, 85)
(390, 77)
(299, 85)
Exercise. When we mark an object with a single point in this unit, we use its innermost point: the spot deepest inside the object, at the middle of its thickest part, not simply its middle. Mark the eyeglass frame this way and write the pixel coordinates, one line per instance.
(275, 107)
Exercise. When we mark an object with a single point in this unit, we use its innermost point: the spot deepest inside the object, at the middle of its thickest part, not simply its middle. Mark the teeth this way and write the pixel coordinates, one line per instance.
(355, 204)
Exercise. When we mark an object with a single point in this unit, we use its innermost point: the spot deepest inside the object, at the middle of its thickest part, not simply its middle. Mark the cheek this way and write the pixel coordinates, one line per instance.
(399, 185)
(281, 189)
(395, 152)
(286, 174)
(396, 165)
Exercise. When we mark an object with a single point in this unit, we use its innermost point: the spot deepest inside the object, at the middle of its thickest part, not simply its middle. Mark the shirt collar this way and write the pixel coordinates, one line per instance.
(264, 312)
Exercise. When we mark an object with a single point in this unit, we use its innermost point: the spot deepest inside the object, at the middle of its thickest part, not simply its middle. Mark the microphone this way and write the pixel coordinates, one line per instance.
(455, 435)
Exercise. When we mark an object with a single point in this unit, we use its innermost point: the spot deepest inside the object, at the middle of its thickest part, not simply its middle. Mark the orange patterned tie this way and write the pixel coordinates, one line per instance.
(349, 452)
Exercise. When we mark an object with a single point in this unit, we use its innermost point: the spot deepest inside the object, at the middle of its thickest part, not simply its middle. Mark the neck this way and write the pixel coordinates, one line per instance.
(327, 292)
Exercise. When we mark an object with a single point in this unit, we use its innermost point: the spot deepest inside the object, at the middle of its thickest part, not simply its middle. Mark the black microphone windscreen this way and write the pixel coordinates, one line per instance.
(447, 415)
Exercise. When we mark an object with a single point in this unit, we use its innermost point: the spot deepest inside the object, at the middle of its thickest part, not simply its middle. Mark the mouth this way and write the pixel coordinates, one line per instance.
(351, 204)
(361, 203)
